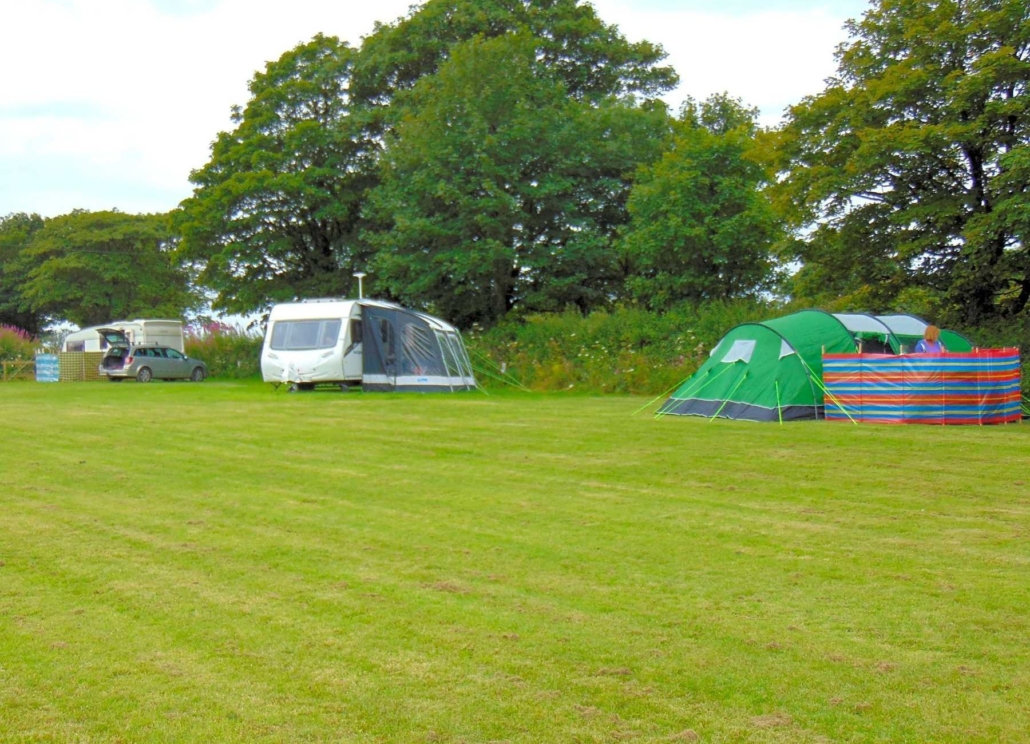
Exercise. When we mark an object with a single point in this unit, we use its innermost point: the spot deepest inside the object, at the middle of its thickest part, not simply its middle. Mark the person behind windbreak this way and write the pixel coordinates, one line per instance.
(931, 342)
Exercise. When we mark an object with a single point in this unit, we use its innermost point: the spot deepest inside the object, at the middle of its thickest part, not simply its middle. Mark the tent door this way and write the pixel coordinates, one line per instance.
(379, 349)
(352, 364)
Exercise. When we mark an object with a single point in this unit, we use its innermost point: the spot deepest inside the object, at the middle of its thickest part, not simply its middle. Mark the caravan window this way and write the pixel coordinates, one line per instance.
(300, 335)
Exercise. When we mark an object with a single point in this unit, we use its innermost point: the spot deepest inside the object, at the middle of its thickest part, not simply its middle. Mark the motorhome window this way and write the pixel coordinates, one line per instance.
(76, 346)
(355, 331)
(301, 335)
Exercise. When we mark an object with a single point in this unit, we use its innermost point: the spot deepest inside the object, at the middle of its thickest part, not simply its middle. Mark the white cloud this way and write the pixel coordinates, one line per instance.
(113, 103)
(770, 59)
(157, 87)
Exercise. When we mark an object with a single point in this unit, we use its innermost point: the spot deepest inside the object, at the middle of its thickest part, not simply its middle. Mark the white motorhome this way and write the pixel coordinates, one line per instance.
(137, 332)
(377, 345)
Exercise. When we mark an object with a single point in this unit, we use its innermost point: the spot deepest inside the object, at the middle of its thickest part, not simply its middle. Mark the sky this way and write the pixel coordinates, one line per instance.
(111, 103)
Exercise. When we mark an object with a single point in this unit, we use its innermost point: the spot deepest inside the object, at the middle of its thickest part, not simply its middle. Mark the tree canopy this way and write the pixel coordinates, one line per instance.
(94, 267)
(479, 157)
(910, 172)
(592, 58)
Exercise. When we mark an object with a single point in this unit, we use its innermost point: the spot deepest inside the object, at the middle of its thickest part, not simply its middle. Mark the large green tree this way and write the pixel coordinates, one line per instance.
(16, 232)
(911, 171)
(276, 212)
(500, 189)
(702, 228)
(94, 267)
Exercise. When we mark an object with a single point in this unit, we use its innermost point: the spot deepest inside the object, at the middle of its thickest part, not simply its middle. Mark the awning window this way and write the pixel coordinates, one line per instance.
(741, 351)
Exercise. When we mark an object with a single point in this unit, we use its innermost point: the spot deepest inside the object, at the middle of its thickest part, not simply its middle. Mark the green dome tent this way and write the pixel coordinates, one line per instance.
(773, 370)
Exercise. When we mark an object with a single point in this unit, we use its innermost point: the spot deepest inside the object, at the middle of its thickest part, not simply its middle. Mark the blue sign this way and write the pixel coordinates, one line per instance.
(48, 368)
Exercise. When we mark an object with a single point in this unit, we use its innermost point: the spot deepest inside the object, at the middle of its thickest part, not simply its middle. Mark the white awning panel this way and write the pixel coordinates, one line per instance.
(857, 323)
(904, 325)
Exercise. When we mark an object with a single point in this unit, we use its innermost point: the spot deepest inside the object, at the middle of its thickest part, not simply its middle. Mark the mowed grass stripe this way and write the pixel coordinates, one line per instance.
(519, 568)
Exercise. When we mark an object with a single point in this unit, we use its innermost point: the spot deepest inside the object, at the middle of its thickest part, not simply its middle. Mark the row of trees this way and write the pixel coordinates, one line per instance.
(480, 157)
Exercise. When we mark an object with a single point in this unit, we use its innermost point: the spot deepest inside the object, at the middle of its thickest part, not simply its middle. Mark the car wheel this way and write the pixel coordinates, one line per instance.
(198, 374)
(144, 375)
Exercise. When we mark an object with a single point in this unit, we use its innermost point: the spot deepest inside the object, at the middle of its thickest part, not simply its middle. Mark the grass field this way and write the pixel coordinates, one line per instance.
(218, 562)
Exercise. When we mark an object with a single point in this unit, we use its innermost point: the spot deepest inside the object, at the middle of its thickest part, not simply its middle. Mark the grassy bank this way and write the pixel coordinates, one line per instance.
(218, 562)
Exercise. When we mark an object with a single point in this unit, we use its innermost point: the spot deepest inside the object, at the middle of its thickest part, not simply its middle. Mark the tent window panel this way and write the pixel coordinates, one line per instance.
(465, 358)
(459, 355)
(418, 353)
(741, 351)
(448, 355)
(786, 349)
(386, 339)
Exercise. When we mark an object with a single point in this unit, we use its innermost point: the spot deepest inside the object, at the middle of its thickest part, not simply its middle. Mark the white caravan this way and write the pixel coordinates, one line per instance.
(377, 345)
(137, 332)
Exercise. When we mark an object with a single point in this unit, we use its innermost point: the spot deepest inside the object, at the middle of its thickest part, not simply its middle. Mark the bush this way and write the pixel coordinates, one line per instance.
(16, 344)
(229, 351)
(626, 350)
(1000, 333)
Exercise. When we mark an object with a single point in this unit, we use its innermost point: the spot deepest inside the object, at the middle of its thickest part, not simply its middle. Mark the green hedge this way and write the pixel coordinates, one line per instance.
(626, 350)
(228, 351)
(1006, 332)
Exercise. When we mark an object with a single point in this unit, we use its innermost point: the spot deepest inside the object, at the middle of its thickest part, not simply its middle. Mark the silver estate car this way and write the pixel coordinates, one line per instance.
(145, 363)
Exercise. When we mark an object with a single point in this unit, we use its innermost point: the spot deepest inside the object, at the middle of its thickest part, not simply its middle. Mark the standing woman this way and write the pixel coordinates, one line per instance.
(931, 343)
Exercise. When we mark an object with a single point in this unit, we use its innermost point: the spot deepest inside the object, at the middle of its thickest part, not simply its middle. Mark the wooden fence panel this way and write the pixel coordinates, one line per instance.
(20, 369)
